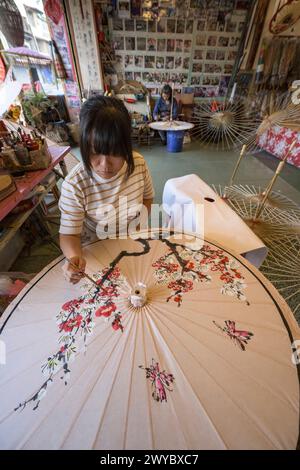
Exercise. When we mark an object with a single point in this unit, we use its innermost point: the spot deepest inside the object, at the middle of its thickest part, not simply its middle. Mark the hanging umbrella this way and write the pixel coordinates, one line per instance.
(180, 345)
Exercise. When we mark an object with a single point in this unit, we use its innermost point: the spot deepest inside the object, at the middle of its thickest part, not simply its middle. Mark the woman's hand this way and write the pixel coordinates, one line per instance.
(74, 269)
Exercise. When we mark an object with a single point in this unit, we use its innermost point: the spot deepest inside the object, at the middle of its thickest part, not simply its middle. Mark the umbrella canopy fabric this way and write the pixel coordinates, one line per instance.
(27, 52)
(23, 55)
(204, 364)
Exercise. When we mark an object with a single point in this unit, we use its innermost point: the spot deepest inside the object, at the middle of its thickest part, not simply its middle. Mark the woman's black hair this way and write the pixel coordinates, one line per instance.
(105, 127)
(167, 90)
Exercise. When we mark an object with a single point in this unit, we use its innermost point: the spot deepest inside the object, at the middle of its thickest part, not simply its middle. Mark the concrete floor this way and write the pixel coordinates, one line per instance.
(214, 167)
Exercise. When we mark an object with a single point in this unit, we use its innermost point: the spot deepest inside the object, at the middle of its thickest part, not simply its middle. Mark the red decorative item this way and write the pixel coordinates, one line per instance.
(53, 10)
(277, 141)
(2, 70)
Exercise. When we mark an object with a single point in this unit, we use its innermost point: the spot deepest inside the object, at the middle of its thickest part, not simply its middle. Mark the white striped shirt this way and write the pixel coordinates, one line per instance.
(83, 195)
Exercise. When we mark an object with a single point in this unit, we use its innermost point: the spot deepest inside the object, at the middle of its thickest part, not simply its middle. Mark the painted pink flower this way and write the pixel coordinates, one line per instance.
(109, 291)
(71, 304)
(70, 324)
(106, 310)
(116, 324)
(190, 265)
(182, 285)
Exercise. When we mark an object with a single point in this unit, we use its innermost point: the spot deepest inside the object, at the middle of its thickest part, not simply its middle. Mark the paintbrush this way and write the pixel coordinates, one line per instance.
(83, 273)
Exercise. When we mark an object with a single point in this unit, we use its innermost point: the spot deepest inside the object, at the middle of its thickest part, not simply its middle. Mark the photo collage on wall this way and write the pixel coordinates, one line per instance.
(178, 41)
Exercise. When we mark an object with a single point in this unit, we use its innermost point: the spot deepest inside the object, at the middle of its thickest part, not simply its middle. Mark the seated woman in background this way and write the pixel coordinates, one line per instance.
(162, 109)
(110, 172)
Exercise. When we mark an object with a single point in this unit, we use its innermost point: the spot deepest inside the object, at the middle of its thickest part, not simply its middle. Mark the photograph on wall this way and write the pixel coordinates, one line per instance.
(138, 76)
(209, 68)
(151, 44)
(129, 25)
(223, 41)
(232, 55)
(234, 42)
(169, 62)
(189, 27)
(231, 27)
(139, 61)
(170, 45)
(123, 8)
(151, 26)
(186, 63)
(118, 43)
(224, 82)
(198, 54)
(141, 44)
(145, 76)
(171, 26)
(180, 27)
(198, 92)
(119, 60)
(128, 75)
(197, 67)
(200, 25)
(201, 39)
(135, 7)
(218, 68)
(129, 61)
(210, 80)
(195, 80)
(212, 41)
(220, 55)
(130, 43)
(160, 62)
(161, 45)
(228, 68)
(179, 45)
(206, 80)
(212, 25)
(117, 24)
(149, 61)
(161, 25)
(140, 25)
(187, 45)
(178, 62)
(211, 54)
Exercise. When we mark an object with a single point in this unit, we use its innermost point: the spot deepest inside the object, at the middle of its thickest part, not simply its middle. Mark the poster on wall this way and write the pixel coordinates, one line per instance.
(58, 32)
(124, 8)
(82, 17)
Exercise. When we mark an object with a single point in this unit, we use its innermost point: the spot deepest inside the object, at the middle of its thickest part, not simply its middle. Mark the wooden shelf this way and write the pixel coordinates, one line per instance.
(13, 222)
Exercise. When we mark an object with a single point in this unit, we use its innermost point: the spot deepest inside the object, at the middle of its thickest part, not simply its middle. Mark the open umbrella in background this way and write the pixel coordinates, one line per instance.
(178, 345)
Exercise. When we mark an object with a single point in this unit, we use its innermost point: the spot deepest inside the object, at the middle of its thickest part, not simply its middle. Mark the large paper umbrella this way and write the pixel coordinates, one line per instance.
(179, 345)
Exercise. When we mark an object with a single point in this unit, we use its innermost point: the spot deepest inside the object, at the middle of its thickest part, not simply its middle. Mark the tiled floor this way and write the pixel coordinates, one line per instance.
(214, 167)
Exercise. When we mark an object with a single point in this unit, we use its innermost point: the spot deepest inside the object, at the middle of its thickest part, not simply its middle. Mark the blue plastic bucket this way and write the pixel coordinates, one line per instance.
(175, 141)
